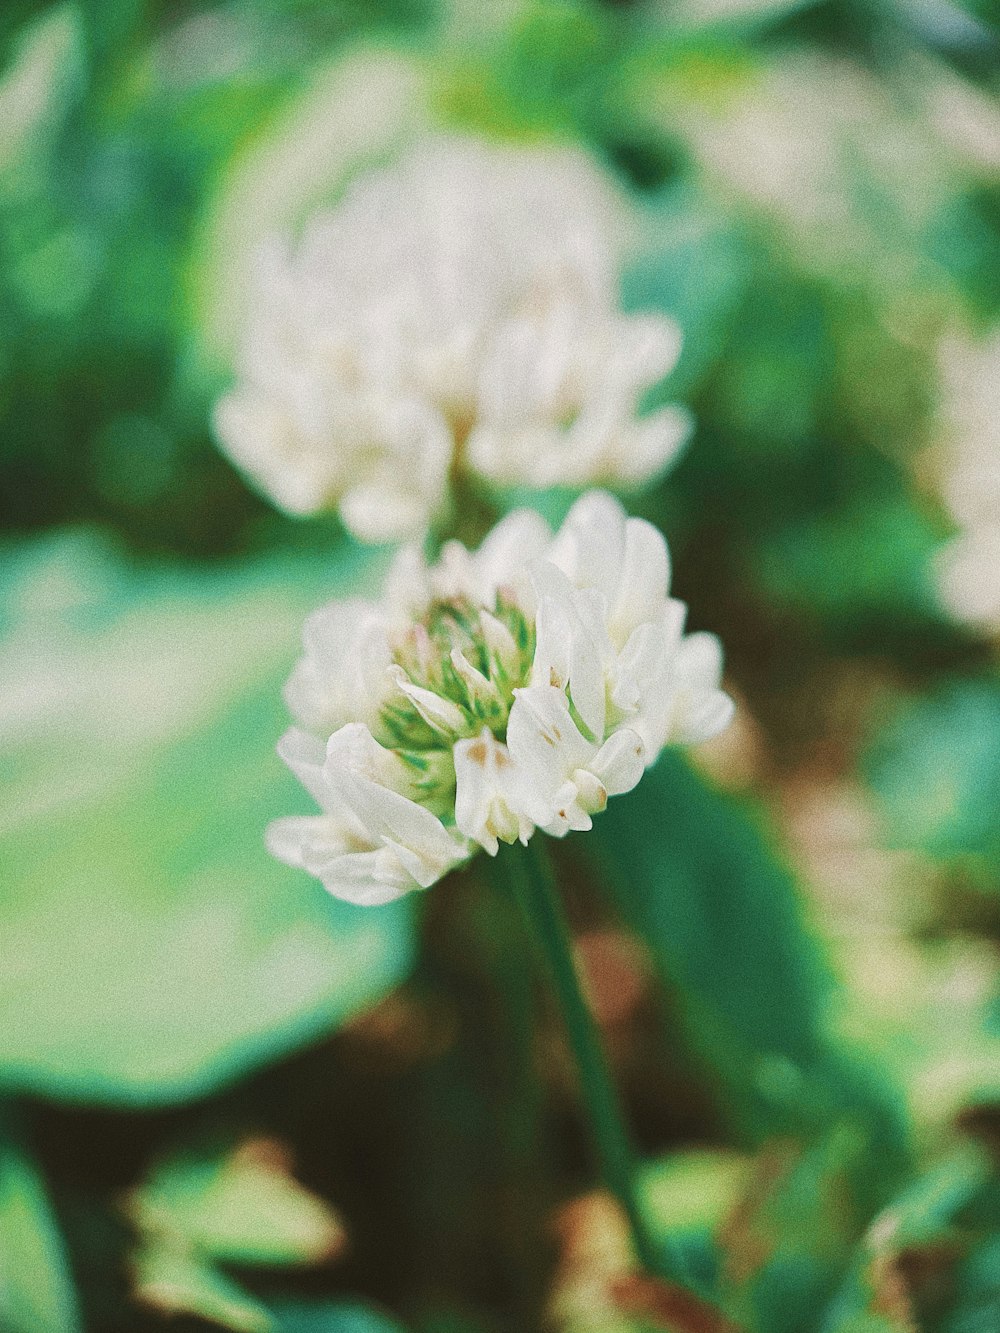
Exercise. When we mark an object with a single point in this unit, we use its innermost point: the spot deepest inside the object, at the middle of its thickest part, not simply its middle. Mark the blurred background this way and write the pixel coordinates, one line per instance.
(230, 1101)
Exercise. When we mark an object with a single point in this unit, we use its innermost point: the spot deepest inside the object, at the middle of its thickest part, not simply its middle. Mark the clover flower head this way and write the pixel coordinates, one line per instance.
(488, 695)
(455, 313)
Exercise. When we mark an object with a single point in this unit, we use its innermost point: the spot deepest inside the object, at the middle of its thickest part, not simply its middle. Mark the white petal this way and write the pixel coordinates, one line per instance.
(445, 717)
(424, 865)
(491, 793)
(454, 574)
(503, 558)
(620, 762)
(353, 872)
(366, 778)
(591, 793)
(293, 839)
(650, 445)
(522, 455)
(700, 716)
(407, 588)
(545, 741)
(305, 756)
(590, 654)
(262, 440)
(589, 546)
(506, 379)
(553, 644)
(397, 480)
(374, 512)
(339, 678)
(638, 667)
(367, 879)
(353, 749)
(649, 345)
(329, 630)
(500, 642)
(699, 661)
(572, 645)
(643, 579)
(565, 813)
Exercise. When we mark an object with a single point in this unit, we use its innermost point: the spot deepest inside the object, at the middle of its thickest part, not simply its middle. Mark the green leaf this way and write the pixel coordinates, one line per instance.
(342, 1317)
(36, 1293)
(867, 560)
(177, 1282)
(931, 1210)
(786, 1244)
(152, 949)
(700, 884)
(936, 771)
(243, 1208)
(697, 879)
(196, 1212)
(694, 1190)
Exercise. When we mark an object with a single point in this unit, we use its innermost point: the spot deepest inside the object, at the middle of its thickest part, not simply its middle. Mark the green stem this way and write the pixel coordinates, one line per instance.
(539, 898)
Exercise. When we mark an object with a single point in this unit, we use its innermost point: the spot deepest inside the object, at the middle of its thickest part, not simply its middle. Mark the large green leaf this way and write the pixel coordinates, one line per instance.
(152, 949)
(36, 1294)
(695, 875)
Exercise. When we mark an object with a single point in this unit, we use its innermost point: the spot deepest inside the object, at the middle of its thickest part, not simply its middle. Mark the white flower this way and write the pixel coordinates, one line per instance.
(491, 693)
(373, 841)
(969, 565)
(558, 400)
(803, 137)
(459, 310)
(569, 776)
(492, 793)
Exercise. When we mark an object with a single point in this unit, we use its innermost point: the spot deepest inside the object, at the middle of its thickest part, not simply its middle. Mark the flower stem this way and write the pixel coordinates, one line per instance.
(539, 898)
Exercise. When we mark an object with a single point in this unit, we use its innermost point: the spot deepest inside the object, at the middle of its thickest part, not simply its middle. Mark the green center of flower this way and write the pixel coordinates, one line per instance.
(456, 672)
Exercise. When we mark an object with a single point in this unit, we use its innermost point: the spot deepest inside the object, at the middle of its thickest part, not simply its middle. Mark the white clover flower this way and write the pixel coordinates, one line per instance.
(490, 694)
(969, 564)
(457, 311)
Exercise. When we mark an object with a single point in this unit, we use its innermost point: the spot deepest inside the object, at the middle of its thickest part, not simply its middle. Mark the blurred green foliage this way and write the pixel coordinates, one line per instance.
(695, 877)
(198, 1212)
(36, 1292)
(819, 188)
(936, 769)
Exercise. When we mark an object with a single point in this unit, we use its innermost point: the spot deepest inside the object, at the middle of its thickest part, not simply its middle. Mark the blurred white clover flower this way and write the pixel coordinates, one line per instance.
(458, 311)
(808, 140)
(969, 565)
(491, 693)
